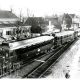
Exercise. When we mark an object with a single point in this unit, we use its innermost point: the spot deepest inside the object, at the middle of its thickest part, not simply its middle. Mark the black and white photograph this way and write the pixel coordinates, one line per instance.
(40, 39)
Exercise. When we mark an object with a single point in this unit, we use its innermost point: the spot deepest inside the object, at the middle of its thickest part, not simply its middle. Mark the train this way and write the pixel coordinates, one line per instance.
(14, 54)
(64, 37)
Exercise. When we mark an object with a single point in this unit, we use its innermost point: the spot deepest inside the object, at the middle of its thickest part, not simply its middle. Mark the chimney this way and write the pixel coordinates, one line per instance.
(11, 10)
(49, 23)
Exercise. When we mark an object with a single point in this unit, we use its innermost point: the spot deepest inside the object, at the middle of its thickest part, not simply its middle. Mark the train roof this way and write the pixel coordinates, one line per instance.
(63, 33)
(29, 42)
(77, 29)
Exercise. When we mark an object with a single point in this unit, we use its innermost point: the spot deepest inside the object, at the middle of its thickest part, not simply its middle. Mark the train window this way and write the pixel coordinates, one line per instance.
(0, 71)
(0, 53)
(11, 53)
(24, 31)
(8, 32)
(3, 52)
(58, 38)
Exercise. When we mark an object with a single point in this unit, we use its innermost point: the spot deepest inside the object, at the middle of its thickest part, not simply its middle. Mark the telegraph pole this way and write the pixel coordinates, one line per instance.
(20, 15)
(27, 12)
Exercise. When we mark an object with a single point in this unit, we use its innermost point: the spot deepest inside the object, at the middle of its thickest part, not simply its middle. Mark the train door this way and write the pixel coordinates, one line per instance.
(67, 38)
(64, 39)
(75, 34)
(55, 41)
(59, 40)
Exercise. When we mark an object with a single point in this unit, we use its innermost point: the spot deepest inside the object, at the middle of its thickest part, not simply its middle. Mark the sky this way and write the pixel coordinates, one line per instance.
(41, 7)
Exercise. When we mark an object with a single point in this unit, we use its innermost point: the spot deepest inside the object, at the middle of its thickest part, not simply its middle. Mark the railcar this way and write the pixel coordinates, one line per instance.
(13, 54)
(36, 45)
(63, 37)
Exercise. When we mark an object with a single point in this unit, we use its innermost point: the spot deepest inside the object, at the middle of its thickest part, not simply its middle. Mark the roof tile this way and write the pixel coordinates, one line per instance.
(7, 14)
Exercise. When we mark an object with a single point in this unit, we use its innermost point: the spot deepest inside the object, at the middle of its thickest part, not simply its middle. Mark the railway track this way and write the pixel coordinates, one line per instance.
(48, 69)
(38, 71)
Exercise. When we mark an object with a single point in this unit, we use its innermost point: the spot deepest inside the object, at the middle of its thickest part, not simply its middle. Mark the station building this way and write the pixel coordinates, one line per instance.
(75, 21)
(7, 32)
(7, 24)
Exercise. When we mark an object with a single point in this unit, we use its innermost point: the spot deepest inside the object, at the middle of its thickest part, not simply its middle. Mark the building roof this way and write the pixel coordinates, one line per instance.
(73, 15)
(7, 14)
(7, 25)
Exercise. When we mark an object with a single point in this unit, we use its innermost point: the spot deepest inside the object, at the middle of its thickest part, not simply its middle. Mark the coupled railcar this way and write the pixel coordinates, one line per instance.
(13, 54)
(63, 37)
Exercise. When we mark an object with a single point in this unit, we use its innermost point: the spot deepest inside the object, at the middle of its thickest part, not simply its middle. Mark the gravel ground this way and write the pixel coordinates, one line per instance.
(23, 71)
(65, 63)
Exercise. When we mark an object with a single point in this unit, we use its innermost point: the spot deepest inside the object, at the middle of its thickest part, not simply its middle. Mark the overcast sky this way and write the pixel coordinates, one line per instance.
(41, 7)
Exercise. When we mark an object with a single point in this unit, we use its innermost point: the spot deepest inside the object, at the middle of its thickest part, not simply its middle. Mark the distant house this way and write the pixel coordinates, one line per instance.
(7, 17)
(75, 21)
(7, 24)
(7, 31)
(66, 21)
(54, 20)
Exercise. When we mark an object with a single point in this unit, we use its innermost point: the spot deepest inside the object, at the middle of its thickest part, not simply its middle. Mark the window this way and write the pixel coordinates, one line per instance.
(0, 34)
(11, 53)
(23, 31)
(8, 32)
(14, 31)
(5, 70)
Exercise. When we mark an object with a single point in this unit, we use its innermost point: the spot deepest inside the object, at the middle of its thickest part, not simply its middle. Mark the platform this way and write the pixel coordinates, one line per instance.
(69, 63)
